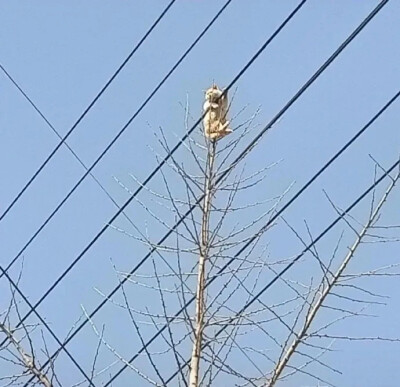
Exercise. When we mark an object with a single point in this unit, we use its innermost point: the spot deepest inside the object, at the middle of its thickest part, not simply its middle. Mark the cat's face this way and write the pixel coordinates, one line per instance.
(213, 93)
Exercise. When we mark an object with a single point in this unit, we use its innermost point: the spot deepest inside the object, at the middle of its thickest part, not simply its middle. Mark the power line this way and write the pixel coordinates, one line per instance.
(272, 122)
(283, 271)
(30, 181)
(276, 118)
(144, 183)
(36, 108)
(268, 41)
(37, 232)
(4, 272)
(112, 142)
(15, 83)
(62, 346)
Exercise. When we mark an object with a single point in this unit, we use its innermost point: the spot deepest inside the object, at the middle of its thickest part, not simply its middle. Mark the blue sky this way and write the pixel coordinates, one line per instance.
(62, 53)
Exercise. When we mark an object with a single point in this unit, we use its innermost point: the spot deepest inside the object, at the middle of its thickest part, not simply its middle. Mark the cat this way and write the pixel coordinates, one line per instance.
(216, 108)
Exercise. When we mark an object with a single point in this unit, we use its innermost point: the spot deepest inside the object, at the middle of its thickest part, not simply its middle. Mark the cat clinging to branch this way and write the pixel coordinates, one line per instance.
(216, 109)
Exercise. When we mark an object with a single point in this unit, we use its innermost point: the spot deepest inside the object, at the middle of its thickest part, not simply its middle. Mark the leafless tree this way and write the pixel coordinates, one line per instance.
(221, 220)
(194, 307)
(206, 192)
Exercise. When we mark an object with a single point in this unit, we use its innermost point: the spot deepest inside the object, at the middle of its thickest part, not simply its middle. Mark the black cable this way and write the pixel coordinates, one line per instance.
(283, 271)
(14, 82)
(37, 232)
(268, 41)
(30, 181)
(273, 121)
(105, 227)
(62, 346)
(57, 134)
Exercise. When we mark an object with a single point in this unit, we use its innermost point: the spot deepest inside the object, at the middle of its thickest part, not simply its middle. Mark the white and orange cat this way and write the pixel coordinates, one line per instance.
(215, 123)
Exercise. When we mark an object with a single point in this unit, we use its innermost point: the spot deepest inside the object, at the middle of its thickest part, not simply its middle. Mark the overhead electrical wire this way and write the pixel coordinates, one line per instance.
(41, 114)
(30, 181)
(274, 120)
(105, 227)
(63, 139)
(373, 13)
(46, 325)
(4, 272)
(268, 41)
(58, 207)
(155, 170)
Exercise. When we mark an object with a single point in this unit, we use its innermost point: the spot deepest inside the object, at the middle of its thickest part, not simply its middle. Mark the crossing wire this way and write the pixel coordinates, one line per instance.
(105, 227)
(30, 181)
(89, 170)
(25, 95)
(272, 122)
(276, 118)
(268, 41)
(43, 322)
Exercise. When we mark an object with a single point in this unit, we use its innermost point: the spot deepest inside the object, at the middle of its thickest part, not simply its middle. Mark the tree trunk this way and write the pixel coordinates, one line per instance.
(201, 277)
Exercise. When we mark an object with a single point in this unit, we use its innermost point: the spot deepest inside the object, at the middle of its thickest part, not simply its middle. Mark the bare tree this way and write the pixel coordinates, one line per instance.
(212, 226)
(210, 190)
(194, 310)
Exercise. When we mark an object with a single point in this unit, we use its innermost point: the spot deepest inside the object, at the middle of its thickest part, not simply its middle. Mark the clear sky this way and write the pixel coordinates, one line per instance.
(62, 52)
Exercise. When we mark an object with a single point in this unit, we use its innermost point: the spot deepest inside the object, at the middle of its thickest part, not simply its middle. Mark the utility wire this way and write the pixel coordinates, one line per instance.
(62, 346)
(4, 271)
(37, 232)
(63, 140)
(268, 41)
(122, 208)
(30, 181)
(43, 322)
(283, 271)
(272, 122)
(36, 108)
